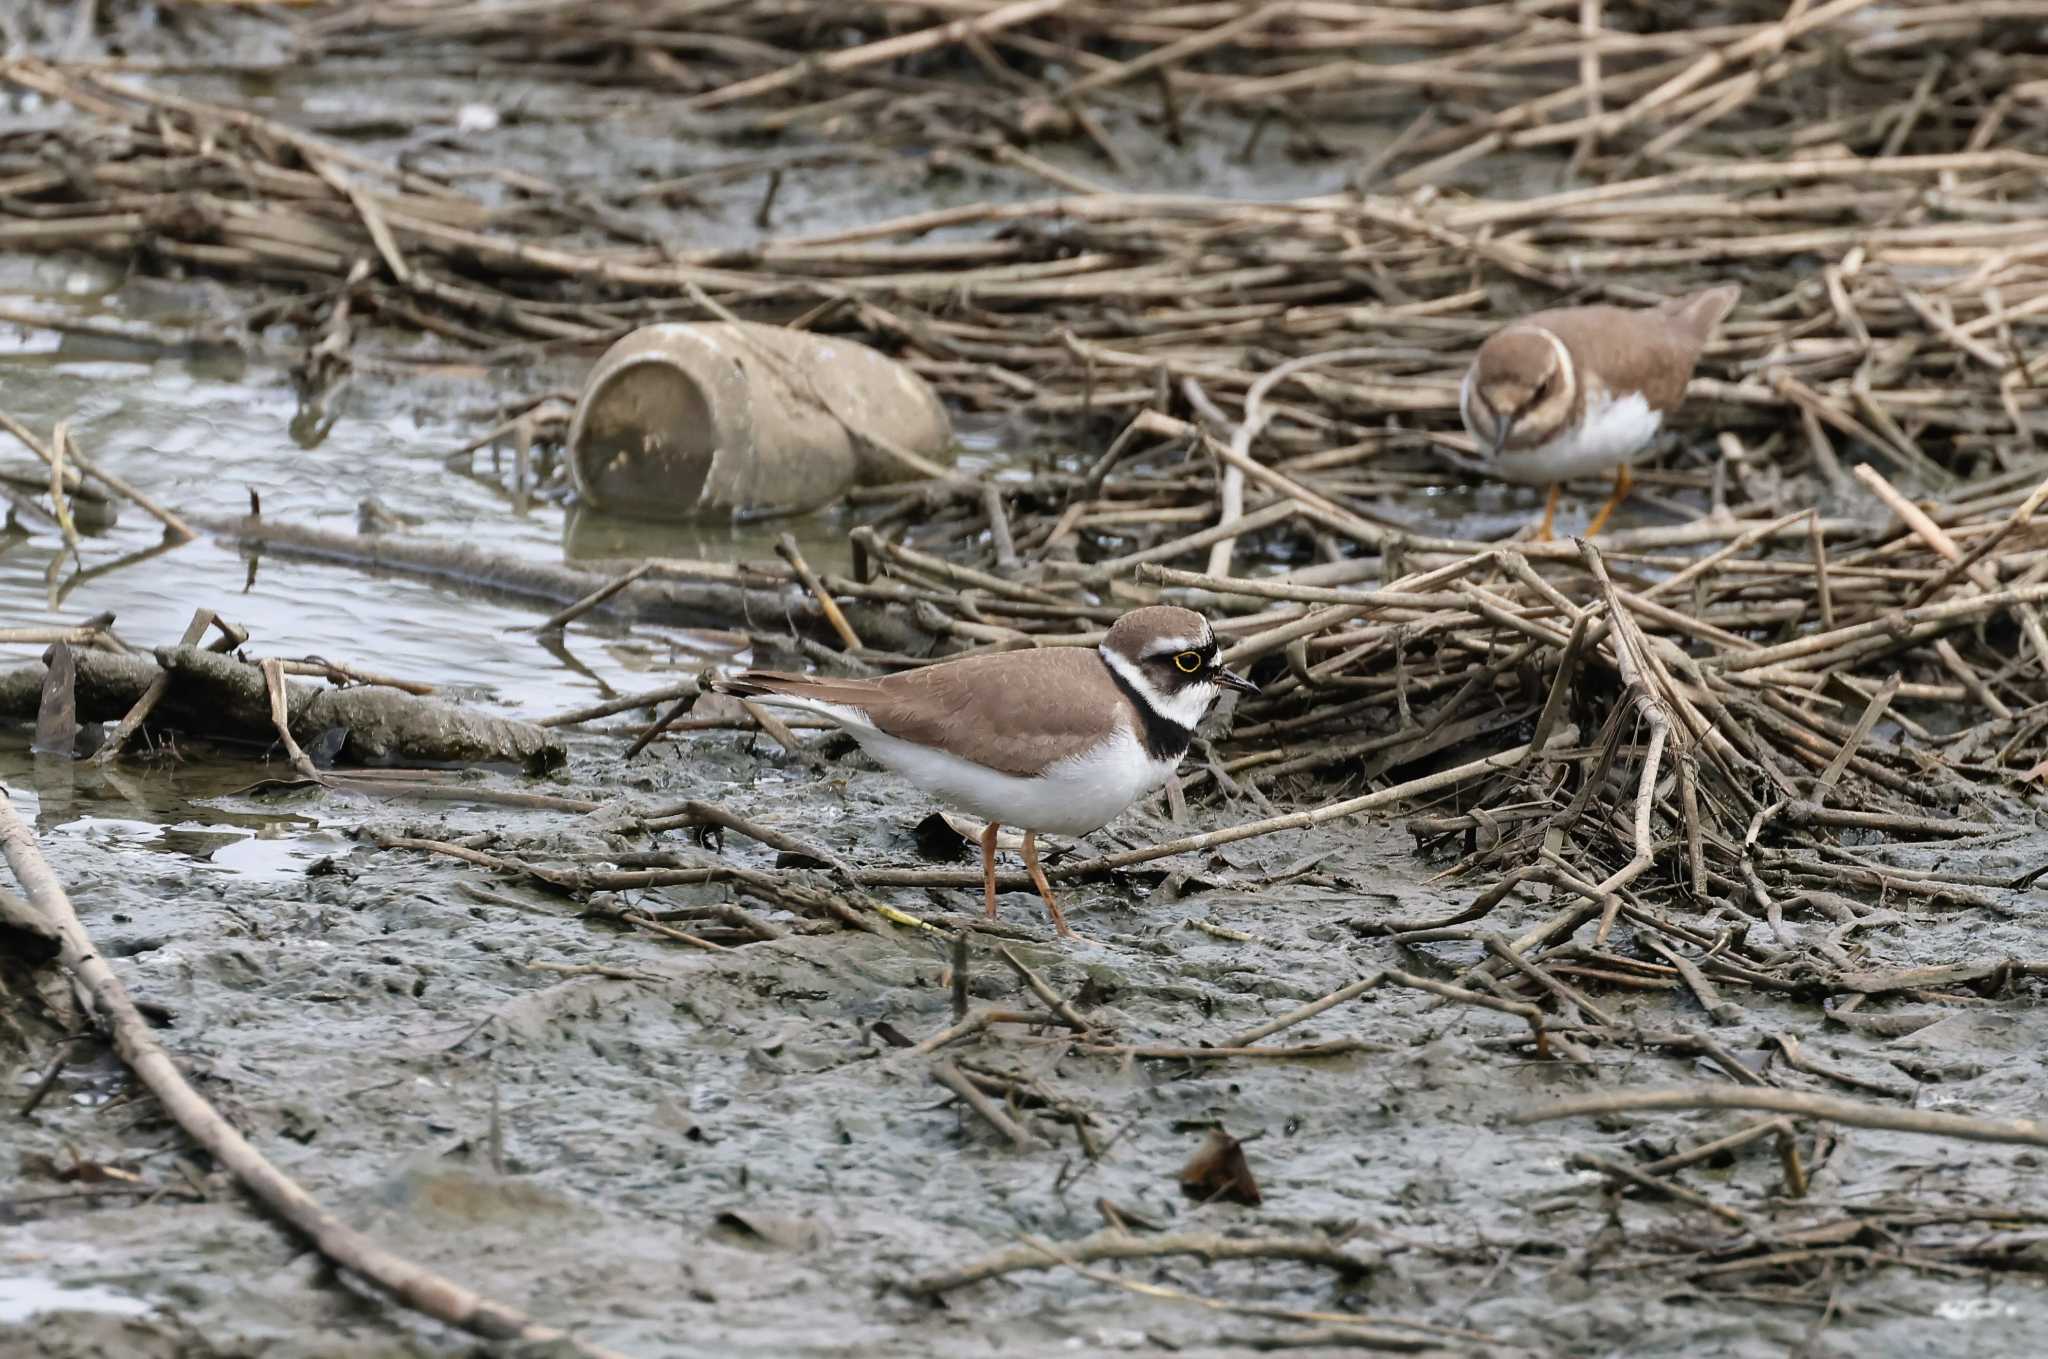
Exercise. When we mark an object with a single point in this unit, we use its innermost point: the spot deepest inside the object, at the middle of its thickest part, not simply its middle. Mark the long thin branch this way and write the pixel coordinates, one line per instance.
(1230, 492)
(888, 49)
(417, 1287)
(1111, 1244)
(1855, 1113)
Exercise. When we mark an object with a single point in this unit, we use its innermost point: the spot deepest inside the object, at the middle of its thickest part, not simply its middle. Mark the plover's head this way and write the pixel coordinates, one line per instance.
(1170, 656)
(1521, 391)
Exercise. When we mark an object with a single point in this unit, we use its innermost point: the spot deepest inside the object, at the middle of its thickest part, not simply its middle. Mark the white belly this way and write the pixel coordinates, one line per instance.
(1072, 797)
(1612, 434)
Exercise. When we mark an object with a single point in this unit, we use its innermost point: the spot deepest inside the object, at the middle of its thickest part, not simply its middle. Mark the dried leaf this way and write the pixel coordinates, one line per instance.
(938, 841)
(97, 1172)
(1218, 1170)
(24, 933)
(776, 1229)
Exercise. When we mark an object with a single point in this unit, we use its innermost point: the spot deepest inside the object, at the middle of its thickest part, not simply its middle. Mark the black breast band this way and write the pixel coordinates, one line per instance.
(1164, 738)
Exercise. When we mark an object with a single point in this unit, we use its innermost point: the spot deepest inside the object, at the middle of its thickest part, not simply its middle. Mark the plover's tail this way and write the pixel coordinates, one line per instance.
(842, 700)
(761, 684)
(1698, 313)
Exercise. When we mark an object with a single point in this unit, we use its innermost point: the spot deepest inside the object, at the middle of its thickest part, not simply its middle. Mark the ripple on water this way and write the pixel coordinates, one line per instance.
(276, 852)
(26, 1296)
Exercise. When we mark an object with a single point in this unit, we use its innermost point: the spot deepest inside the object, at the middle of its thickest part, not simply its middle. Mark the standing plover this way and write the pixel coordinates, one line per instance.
(1579, 390)
(1059, 739)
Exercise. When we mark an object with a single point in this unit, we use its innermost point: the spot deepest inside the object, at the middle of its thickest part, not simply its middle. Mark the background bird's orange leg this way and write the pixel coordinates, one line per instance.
(1542, 534)
(1622, 481)
(1038, 880)
(988, 866)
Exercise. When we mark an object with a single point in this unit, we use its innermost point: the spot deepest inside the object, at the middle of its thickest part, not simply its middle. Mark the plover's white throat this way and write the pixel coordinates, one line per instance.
(1579, 390)
(1059, 740)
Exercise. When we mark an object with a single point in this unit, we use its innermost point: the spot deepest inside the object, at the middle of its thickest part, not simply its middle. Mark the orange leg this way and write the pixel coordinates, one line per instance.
(1038, 880)
(988, 866)
(1622, 482)
(1542, 534)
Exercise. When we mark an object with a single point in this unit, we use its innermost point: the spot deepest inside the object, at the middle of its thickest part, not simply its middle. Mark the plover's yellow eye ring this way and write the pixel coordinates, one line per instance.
(1188, 662)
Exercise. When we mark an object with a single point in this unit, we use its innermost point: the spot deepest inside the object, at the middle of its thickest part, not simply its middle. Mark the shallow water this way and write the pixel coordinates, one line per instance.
(28, 1296)
(202, 434)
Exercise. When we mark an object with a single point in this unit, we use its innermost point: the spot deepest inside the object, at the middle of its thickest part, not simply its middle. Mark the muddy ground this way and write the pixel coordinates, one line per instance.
(678, 1151)
(700, 1152)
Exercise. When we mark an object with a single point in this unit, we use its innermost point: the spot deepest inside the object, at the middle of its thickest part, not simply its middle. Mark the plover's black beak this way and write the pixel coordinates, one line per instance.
(1500, 438)
(1230, 679)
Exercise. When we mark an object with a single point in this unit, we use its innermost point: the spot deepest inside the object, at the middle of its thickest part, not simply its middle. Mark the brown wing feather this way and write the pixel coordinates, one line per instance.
(760, 683)
(1632, 350)
(1013, 711)
(1699, 313)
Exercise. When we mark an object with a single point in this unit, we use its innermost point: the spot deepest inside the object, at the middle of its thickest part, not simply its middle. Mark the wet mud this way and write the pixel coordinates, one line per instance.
(678, 1151)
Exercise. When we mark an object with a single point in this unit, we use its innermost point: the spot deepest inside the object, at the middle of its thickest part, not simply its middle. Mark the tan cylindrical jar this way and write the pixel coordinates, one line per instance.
(704, 419)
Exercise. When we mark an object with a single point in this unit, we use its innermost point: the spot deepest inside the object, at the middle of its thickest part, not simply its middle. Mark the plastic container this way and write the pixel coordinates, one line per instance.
(684, 420)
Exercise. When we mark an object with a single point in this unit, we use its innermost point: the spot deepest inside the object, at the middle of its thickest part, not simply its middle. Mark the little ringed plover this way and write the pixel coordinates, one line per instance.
(1579, 390)
(1058, 739)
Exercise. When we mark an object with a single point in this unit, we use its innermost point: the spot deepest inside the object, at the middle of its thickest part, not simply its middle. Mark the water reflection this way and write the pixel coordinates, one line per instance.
(205, 428)
(26, 1296)
(202, 432)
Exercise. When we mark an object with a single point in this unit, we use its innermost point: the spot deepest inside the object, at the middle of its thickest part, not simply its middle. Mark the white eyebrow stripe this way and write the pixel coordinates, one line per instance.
(1564, 360)
(1557, 346)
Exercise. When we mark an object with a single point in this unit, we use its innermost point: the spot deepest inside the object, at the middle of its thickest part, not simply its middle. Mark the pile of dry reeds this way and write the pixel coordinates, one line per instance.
(1911, 338)
(1692, 741)
(1633, 84)
(1264, 362)
(1265, 367)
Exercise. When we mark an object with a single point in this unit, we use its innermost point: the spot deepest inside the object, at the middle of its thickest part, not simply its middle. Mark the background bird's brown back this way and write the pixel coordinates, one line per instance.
(1630, 350)
(1651, 351)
